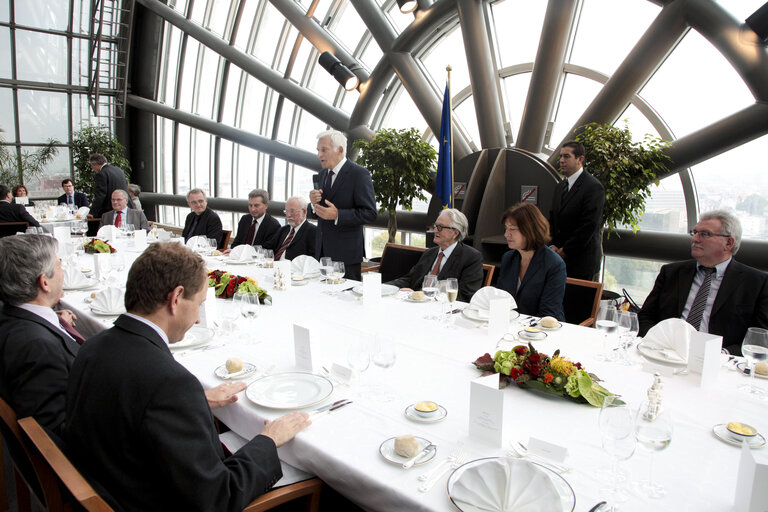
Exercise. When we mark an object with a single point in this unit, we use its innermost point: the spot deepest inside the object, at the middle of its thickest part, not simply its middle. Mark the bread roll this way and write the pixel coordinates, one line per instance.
(549, 322)
(761, 368)
(406, 446)
(417, 295)
(234, 365)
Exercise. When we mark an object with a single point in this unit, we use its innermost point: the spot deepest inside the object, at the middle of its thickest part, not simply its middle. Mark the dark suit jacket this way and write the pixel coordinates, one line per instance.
(575, 222)
(303, 241)
(80, 199)
(543, 287)
(35, 360)
(465, 264)
(12, 212)
(741, 302)
(106, 181)
(352, 194)
(267, 229)
(139, 423)
(209, 225)
(135, 217)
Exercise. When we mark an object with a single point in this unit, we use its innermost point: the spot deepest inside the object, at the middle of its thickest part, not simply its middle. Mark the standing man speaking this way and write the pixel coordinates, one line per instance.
(343, 204)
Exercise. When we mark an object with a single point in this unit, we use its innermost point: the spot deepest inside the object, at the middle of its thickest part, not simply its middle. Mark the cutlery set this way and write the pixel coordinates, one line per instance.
(327, 409)
(453, 461)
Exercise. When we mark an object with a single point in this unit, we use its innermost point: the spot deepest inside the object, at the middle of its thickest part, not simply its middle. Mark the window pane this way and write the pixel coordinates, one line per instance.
(665, 208)
(81, 18)
(43, 116)
(6, 116)
(578, 93)
(170, 68)
(219, 13)
(41, 57)
(352, 28)
(4, 11)
(80, 62)
(516, 89)
(5, 52)
(518, 29)
(268, 35)
(186, 87)
(50, 14)
(56, 170)
(448, 51)
(635, 275)
(208, 84)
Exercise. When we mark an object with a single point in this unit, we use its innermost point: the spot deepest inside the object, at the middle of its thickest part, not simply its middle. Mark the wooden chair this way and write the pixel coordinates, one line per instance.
(488, 271)
(396, 261)
(226, 234)
(581, 301)
(11, 228)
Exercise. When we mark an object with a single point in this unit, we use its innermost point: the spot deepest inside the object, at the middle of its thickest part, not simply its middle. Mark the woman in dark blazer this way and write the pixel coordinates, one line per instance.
(532, 272)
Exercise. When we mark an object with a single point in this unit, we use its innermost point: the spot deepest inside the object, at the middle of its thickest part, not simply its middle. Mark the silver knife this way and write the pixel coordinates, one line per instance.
(410, 462)
(322, 411)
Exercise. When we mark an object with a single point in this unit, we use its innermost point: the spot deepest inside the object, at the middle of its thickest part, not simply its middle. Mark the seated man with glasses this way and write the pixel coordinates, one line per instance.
(451, 258)
(257, 227)
(297, 237)
(201, 220)
(713, 292)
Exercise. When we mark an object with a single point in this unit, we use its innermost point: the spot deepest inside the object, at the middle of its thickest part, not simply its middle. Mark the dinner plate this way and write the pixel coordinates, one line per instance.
(197, 335)
(386, 290)
(408, 298)
(89, 283)
(440, 414)
(228, 261)
(101, 312)
(473, 314)
(534, 336)
(248, 370)
(291, 390)
(563, 488)
(657, 355)
(299, 282)
(743, 369)
(387, 450)
(721, 432)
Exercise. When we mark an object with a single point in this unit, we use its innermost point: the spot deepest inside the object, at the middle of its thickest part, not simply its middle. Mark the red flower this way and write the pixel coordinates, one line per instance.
(577, 365)
(515, 372)
(548, 378)
(520, 350)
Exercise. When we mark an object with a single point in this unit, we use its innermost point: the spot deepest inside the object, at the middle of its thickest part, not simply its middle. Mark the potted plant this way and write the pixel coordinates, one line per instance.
(17, 168)
(95, 139)
(401, 164)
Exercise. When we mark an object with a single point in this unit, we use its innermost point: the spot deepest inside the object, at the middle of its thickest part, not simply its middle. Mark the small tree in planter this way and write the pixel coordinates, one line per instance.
(19, 168)
(401, 164)
(95, 139)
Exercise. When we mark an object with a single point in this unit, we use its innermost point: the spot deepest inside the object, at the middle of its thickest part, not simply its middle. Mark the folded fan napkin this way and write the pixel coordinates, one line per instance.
(197, 243)
(505, 485)
(74, 278)
(482, 298)
(107, 233)
(82, 212)
(304, 265)
(109, 300)
(673, 335)
(242, 253)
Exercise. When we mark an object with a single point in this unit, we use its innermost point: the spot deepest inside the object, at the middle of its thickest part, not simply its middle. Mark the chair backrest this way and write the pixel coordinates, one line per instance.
(488, 271)
(309, 490)
(11, 228)
(581, 301)
(397, 260)
(67, 474)
(226, 234)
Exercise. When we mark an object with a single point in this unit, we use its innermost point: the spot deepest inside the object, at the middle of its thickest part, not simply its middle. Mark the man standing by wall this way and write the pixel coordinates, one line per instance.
(108, 179)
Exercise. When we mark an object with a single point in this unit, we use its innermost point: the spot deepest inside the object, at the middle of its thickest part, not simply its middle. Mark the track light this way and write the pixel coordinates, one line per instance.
(407, 6)
(758, 22)
(340, 72)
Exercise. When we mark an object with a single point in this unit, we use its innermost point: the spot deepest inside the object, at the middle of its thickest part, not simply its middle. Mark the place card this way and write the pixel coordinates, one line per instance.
(549, 451)
(101, 265)
(664, 371)
(498, 317)
(371, 288)
(62, 234)
(302, 348)
(208, 307)
(341, 373)
(140, 238)
(704, 356)
(751, 491)
(486, 409)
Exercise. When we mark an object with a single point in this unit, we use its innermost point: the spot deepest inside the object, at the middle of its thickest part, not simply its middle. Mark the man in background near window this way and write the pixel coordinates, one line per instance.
(258, 227)
(577, 215)
(70, 197)
(108, 179)
(202, 221)
(713, 292)
(343, 203)
(297, 237)
(121, 215)
(12, 212)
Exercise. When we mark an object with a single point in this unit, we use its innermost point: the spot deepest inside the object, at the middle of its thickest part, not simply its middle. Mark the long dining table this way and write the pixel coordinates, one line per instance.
(434, 362)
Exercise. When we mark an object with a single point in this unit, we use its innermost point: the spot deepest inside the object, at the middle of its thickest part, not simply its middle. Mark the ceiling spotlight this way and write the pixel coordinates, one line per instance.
(340, 72)
(758, 22)
(407, 6)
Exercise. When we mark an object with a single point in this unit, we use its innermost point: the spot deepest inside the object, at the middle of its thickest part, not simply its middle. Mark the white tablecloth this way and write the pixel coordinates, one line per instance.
(434, 363)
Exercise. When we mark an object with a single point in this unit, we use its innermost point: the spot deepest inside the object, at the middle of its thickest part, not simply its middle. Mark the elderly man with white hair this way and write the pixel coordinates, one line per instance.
(297, 237)
(451, 257)
(122, 215)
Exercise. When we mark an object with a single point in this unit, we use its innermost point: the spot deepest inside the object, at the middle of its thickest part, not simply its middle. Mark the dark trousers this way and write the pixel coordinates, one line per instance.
(352, 271)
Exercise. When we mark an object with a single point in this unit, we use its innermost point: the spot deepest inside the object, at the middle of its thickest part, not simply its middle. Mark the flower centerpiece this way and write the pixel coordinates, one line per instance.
(556, 375)
(227, 285)
(96, 246)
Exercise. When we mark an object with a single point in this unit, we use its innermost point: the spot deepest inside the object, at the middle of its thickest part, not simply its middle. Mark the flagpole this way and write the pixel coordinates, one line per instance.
(448, 68)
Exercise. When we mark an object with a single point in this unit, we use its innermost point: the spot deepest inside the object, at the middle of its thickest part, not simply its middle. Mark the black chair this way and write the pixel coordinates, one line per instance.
(93, 227)
(396, 261)
(581, 301)
(11, 228)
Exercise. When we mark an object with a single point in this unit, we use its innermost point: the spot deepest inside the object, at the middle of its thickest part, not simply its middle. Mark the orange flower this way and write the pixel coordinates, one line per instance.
(548, 378)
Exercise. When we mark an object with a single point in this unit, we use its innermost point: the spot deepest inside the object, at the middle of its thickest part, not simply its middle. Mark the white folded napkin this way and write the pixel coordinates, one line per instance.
(110, 301)
(74, 278)
(107, 233)
(482, 298)
(673, 335)
(243, 252)
(304, 265)
(198, 243)
(505, 485)
(82, 212)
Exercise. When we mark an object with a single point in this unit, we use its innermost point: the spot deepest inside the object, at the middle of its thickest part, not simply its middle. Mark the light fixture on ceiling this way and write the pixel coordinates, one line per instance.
(407, 6)
(340, 72)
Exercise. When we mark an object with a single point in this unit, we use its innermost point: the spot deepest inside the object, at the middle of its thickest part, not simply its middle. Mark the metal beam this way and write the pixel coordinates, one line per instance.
(294, 92)
(482, 74)
(281, 150)
(547, 74)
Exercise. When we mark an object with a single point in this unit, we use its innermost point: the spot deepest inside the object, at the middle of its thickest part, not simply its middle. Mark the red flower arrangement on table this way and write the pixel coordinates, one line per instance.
(96, 246)
(555, 375)
(227, 285)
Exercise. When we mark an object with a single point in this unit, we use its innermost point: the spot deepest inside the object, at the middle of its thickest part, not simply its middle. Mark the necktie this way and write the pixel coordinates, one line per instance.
(700, 301)
(285, 245)
(192, 228)
(328, 181)
(567, 187)
(118, 218)
(251, 232)
(71, 331)
(436, 268)
(69, 199)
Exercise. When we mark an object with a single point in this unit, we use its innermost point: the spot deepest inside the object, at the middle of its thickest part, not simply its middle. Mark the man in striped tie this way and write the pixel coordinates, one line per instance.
(297, 237)
(713, 292)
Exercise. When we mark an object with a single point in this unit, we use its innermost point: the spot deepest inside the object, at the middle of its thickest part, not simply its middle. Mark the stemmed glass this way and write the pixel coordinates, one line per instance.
(429, 286)
(229, 312)
(212, 245)
(654, 433)
(451, 294)
(358, 356)
(269, 257)
(607, 322)
(617, 430)
(337, 273)
(755, 350)
(384, 356)
(248, 303)
(326, 268)
(628, 328)
(259, 255)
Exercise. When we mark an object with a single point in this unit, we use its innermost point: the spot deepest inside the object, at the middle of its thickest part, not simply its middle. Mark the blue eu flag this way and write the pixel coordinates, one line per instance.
(444, 181)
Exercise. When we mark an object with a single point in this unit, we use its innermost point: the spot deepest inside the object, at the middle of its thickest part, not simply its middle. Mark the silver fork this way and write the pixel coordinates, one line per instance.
(519, 451)
(456, 459)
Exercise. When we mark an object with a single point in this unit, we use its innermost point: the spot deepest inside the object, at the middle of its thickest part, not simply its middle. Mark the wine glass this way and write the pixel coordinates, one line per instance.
(326, 268)
(451, 294)
(429, 286)
(607, 323)
(358, 356)
(269, 257)
(338, 271)
(617, 430)
(654, 433)
(213, 244)
(229, 312)
(384, 356)
(259, 255)
(628, 327)
(755, 350)
(248, 304)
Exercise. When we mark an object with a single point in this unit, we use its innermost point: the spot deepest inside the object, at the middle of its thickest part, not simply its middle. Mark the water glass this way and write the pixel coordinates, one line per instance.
(384, 355)
(269, 257)
(248, 303)
(654, 434)
(607, 323)
(628, 327)
(430, 287)
(755, 350)
(617, 432)
(338, 271)
(229, 312)
(326, 268)
(358, 356)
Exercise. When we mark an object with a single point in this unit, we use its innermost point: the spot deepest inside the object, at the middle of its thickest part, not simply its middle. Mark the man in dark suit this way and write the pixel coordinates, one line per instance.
(12, 212)
(577, 215)
(121, 215)
(258, 227)
(37, 352)
(713, 292)
(201, 220)
(138, 421)
(343, 204)
(297, 237)
(108, 179)
(451, 258)
(70, 197)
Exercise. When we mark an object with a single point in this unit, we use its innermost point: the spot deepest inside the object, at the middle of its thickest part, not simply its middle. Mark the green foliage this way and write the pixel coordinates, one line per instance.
(755, 204)
(95, 139)
(17, 169)
(626, 169)
(401, 164)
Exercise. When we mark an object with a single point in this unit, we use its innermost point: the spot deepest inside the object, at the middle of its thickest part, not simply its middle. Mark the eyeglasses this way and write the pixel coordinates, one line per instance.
(440, 227)
(291, 212)
(706, 234)
(199, 201)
